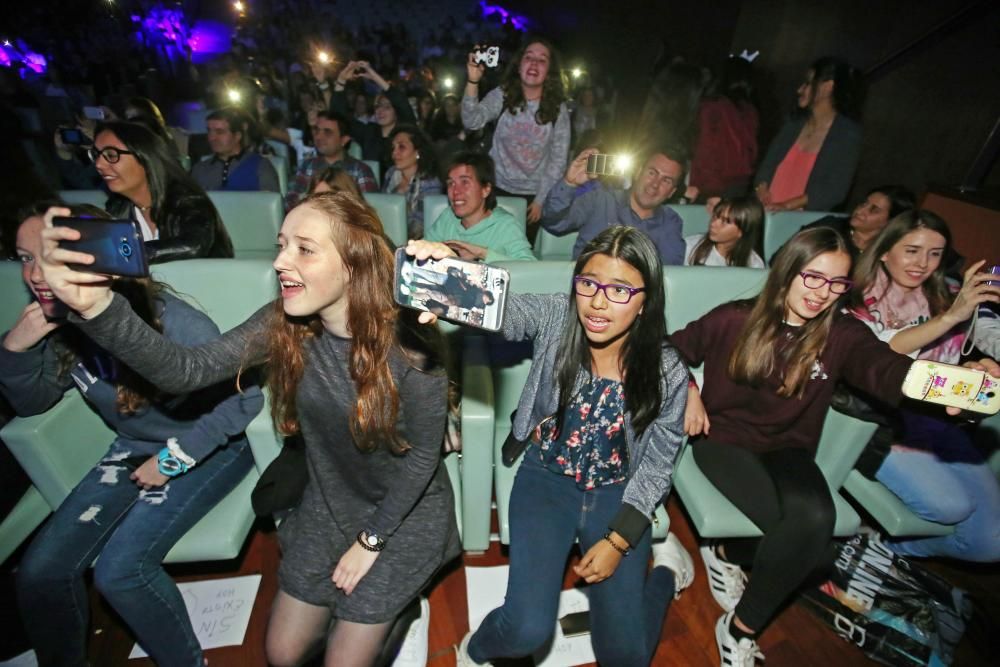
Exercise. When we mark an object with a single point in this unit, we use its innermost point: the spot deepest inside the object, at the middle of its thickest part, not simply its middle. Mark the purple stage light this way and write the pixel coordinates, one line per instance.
(519, 22)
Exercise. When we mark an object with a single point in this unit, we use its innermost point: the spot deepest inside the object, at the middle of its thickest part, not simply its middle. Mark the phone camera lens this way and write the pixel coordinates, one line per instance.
(125, 249)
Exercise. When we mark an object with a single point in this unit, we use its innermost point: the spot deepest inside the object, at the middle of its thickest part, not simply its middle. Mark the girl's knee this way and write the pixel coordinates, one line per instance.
(112, 576)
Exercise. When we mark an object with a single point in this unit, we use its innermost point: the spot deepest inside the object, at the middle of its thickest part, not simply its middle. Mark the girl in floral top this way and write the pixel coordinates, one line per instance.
(933, 465)
(602, 418)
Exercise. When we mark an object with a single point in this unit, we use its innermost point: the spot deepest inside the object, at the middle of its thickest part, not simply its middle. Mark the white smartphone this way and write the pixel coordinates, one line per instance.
(953, 386)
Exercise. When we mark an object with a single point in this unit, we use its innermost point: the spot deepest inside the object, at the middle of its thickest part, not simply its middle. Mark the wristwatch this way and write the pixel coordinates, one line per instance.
(370, 541)
(170, 465)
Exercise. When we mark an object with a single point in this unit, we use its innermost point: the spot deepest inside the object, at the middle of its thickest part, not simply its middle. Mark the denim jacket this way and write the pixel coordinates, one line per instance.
(652, 456)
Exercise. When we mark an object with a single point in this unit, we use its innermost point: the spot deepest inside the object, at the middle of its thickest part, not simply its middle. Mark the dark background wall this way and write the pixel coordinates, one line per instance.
(925, 119)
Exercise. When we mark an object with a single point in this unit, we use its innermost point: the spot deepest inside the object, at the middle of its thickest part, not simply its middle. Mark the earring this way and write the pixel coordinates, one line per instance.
(418, 155)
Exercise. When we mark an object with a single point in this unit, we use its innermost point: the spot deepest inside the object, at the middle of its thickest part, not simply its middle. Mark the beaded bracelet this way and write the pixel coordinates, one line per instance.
(622, 551)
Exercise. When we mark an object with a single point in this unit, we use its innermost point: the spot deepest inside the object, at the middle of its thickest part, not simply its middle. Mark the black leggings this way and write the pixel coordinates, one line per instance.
(784, 493)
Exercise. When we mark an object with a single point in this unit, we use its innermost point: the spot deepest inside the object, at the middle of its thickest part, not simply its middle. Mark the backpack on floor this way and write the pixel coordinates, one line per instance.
(896, 611)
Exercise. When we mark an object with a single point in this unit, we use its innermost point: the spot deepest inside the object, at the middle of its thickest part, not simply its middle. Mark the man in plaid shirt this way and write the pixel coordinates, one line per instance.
(330, 135)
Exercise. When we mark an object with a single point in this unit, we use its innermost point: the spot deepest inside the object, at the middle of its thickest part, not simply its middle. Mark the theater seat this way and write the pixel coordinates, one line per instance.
(781, 225)
(42, 443)
(280, 164)
(27, 515)
(252, 219)
(694, 218)
(548, 246)
(692, 291)
(97, 198)
(376, 170)
(391, 209)
(434, 205)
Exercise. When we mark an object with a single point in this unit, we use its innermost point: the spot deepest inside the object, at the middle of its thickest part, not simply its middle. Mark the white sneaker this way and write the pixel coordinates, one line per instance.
(671, 553)
(732, 653)
(725, 580)
(413, 652)
(462, 658)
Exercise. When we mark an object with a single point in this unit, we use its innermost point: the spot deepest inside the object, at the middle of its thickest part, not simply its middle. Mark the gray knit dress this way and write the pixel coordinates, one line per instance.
(405, 498)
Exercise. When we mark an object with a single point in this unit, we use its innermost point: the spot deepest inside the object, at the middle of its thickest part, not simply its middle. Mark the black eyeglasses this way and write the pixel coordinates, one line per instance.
(110, 154)
(816, 281)
(585, 286)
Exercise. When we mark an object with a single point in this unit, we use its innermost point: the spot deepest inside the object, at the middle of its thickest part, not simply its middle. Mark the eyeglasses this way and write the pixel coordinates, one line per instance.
(816, 281)
(110, 154)
(587, 287)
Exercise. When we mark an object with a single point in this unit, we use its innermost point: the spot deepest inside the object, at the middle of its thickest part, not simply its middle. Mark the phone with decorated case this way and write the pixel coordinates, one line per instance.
(953, 386)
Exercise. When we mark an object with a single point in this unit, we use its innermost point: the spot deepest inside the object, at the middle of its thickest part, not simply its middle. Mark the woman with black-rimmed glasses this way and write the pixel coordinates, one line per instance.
(177, 218)
(770, 368)
(601, 423)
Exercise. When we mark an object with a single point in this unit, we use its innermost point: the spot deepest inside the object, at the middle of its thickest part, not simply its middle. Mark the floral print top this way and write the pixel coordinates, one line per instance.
(594, 451)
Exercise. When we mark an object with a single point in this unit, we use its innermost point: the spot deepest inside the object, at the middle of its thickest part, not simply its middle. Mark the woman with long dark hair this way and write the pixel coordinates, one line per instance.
(770, 368)
(172, 459)
(933, 466)
(177, 218)
(811, 163)
(414, 174)
(733, 235)
(532, 136)
(366, 390)
(602, 417)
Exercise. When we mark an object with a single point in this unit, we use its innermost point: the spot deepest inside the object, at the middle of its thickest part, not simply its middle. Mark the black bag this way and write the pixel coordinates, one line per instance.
(281, 484)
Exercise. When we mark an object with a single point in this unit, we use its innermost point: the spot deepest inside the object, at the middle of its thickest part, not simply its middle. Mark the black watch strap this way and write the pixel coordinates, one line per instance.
(370, 541)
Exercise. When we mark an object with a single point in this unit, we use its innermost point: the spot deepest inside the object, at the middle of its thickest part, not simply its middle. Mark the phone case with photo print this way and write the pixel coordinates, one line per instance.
(953, 386)
(468, 293)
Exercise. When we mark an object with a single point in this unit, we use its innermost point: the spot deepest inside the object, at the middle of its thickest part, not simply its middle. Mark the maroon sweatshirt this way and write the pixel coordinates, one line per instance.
(756, 417)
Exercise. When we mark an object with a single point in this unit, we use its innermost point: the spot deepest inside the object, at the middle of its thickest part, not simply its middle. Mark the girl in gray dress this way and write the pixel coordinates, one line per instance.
(376, 519)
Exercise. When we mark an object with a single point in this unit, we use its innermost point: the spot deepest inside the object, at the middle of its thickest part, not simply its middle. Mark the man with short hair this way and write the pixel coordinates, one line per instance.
(330, 136)
(232, 166)
(474, 226)
(641, 206)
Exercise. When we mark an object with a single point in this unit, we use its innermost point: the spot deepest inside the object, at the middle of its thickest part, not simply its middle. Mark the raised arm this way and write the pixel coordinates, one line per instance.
(476, 113)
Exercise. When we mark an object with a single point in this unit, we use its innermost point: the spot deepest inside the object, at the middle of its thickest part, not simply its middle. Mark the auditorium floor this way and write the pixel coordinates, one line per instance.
(796, 638)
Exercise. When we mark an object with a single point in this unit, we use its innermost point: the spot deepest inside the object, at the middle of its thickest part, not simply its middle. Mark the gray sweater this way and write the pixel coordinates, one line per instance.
(540, 317)
(405, 498)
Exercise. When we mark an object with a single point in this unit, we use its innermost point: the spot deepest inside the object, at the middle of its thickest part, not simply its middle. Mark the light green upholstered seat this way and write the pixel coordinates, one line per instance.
(376, 170)
(354, 150)
(782, 225)
(252, 219)
(548, 246)
(434, 205)
(280, 164)
(691, 292)
(694, 218)
(96, 197)
(27, 515)
(229, 291)
(391, 209)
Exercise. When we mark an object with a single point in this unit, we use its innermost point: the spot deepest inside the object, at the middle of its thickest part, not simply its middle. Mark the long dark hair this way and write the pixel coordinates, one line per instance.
(746, 213)
(427, 164)
(553, 90)
(935, 288)
(756, 355)
(848, 84)
(734, 81)
(170, 187)
(643, 346)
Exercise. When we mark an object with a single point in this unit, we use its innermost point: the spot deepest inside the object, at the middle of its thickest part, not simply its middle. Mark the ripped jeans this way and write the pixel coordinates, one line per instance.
(131, 530)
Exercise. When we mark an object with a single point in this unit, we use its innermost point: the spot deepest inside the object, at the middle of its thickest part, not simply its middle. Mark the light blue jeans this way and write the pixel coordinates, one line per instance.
(963, 494)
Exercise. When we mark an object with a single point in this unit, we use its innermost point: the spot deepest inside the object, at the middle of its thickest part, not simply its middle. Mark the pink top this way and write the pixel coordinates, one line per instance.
(792, 175)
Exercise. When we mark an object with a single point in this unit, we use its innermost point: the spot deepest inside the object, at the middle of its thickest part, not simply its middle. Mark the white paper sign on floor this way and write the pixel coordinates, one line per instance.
(219, 610)
(485, 588)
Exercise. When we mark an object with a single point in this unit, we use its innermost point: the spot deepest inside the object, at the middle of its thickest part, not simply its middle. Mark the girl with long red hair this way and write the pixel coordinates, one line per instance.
(364, 389)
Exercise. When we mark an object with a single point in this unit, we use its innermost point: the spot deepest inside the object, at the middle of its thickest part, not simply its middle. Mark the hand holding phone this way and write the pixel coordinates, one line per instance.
(115, 245)
(600, 164)
(953, 386)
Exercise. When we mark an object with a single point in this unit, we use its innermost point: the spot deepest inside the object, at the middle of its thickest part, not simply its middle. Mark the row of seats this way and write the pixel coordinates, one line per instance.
(778, 228)
(491, 390)
(280, 164)
(254, 218)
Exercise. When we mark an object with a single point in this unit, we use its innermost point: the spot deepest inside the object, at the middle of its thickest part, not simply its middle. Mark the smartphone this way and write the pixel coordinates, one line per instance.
(953, 386)
(995, 270)
(575, 624)
(72, 136)
(486, 55)
(94, 113)
(601, 164)
(453, 289)
(116, 245)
